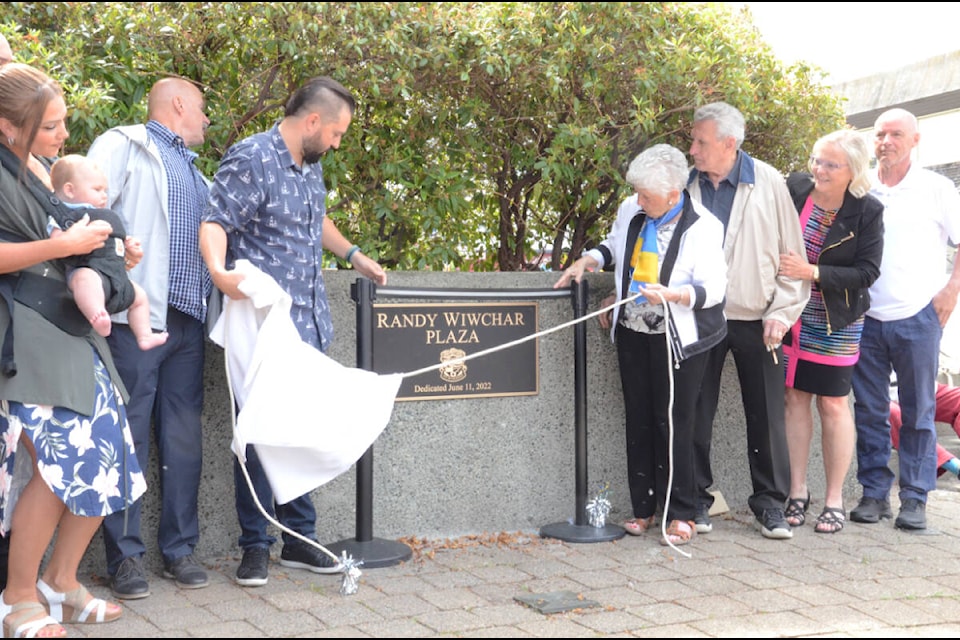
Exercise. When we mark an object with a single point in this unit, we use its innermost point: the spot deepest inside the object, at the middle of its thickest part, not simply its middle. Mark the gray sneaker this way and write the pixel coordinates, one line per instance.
(773, 524)
(300, 555)
(252, 571)
(913, 515)
(702, 519)
(871, 510)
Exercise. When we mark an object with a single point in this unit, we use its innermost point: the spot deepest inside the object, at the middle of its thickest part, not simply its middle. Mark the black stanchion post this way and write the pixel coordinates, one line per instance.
(375, 552)
(365, 294)
(581, 530)
(580, 300)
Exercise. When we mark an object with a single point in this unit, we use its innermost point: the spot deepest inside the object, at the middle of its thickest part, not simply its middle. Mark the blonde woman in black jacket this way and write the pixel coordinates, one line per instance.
(843, 233)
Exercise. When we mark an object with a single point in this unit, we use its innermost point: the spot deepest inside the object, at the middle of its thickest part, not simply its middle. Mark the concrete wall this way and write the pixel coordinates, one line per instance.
(446, 468)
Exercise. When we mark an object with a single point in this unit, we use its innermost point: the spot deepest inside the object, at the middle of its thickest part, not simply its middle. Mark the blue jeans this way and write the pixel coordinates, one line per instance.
(166, 390)
(911, 348)
(298, 515)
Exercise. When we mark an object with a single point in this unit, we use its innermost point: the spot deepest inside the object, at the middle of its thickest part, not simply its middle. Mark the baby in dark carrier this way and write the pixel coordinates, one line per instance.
(99, 279)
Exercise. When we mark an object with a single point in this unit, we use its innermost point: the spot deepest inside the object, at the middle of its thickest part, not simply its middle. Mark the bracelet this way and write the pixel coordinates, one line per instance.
(352, 250)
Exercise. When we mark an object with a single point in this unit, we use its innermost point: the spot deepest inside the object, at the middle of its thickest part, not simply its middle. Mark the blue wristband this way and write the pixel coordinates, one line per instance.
(350, 253)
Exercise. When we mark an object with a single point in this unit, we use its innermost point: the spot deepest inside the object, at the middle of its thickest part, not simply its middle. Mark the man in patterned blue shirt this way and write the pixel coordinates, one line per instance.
(268, 205)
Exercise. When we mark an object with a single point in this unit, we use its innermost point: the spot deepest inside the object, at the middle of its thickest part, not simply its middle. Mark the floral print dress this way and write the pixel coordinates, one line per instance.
(88, 462)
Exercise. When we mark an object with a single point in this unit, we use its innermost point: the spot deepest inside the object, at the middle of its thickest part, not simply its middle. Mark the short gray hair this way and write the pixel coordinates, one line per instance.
(730, 122)
(660, 169)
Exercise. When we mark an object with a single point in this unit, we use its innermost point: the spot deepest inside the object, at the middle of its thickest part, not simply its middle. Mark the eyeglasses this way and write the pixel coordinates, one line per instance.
(826, 164)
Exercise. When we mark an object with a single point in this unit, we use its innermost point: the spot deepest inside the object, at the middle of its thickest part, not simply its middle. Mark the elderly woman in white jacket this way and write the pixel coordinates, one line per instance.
(663, 323)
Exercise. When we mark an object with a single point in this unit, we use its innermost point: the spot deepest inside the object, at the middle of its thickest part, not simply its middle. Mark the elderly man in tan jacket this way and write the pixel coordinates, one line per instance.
(752, 201)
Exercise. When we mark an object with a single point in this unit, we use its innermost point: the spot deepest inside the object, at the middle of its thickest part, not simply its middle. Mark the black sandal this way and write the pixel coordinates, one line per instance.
(797, 509)
(832, 517)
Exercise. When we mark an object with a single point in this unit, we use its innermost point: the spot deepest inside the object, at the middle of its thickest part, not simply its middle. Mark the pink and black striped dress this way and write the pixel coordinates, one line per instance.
(818, 361)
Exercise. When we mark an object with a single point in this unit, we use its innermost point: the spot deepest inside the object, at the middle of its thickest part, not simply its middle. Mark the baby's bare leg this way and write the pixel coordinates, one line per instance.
(87, 288)
(139, 317)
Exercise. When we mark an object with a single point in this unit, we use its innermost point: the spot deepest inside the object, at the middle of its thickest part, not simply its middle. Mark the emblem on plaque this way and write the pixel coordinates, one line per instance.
(454, 371)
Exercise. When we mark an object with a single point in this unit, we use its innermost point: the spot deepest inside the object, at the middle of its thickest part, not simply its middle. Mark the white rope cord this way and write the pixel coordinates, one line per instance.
(514, 343)
(669, 492)
(276, 523)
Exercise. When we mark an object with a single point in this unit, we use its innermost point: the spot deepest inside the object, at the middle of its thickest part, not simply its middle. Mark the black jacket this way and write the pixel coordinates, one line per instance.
(850, 258)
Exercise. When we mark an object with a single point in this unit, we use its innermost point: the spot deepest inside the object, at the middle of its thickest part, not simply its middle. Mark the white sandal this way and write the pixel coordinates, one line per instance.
(29, 628)
(78, 608)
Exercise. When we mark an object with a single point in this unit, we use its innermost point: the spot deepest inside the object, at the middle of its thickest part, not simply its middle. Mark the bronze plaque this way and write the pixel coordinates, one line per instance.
(410, 337)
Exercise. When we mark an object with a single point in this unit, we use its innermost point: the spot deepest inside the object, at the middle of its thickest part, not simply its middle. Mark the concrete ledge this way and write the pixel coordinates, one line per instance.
(449, 468)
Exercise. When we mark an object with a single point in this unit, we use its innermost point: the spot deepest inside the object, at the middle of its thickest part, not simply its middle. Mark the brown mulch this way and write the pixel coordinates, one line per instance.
(521, 540)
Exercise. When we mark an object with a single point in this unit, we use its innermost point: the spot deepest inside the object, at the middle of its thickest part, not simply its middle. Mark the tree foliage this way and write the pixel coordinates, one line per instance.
(485, 132)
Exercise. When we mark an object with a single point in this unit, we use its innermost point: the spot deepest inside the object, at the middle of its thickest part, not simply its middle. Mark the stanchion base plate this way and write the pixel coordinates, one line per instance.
(582, 533)
(374, 553)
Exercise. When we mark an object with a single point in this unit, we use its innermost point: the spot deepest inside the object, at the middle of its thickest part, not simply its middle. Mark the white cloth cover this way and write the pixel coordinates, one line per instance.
(309, 417)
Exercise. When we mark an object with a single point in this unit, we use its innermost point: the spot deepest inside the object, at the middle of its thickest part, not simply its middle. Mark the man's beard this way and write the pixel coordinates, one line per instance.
(311, 153)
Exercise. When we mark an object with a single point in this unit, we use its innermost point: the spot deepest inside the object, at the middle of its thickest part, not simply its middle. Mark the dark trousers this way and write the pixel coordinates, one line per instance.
(166, 390)
(297, 515)
(761, 389)
(645, 376)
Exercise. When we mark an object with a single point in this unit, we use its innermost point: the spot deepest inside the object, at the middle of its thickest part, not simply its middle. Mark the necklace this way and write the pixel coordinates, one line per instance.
(824, 206)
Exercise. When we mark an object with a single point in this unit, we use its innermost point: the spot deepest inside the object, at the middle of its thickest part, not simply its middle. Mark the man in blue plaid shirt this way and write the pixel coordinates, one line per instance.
(159, 192)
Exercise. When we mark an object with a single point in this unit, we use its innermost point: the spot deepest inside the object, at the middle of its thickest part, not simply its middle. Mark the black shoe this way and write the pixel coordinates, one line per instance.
(252, 571)
(913, 515)
(871, 510)
(187, 572)
(300, 555)
(702, 519)
(130, 582)
(773, 524)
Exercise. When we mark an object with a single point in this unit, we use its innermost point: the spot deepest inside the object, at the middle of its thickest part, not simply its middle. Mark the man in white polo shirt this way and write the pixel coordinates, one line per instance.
(910, 303)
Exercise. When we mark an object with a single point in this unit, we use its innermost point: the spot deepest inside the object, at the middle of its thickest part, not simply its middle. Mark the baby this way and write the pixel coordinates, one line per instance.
(99, 279)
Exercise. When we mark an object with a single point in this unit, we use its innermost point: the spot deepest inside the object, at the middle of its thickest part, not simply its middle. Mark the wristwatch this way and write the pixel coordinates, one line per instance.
(816, 273)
